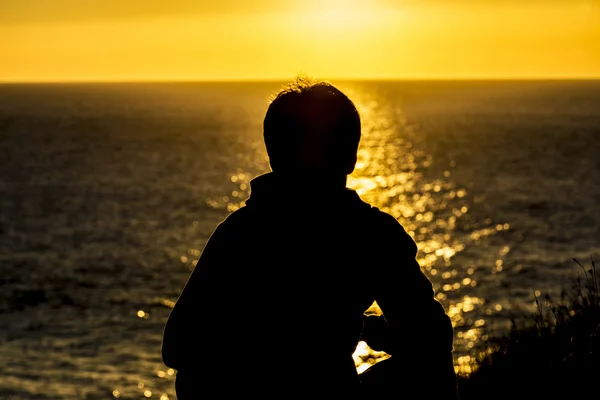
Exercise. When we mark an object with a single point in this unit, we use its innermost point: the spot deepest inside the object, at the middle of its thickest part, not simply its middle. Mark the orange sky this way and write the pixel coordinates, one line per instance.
(66, 40)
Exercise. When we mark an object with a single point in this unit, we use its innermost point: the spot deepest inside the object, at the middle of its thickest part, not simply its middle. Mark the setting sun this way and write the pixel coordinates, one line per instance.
(351, 39)
(342, 21)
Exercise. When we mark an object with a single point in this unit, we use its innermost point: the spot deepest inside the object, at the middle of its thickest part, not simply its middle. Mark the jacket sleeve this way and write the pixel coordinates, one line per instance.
(182, 345)
(420, 333)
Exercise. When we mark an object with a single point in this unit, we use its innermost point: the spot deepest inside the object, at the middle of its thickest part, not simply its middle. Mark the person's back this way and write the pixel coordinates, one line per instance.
(276, 302)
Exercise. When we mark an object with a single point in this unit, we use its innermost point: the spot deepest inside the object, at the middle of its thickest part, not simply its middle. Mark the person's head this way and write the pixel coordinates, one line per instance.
(311, 126)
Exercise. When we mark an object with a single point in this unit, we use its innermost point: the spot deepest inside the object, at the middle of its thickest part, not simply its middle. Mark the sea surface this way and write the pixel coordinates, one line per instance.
(108, 193)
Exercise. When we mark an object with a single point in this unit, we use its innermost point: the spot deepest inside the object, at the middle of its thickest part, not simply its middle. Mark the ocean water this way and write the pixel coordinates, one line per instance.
(108, 193)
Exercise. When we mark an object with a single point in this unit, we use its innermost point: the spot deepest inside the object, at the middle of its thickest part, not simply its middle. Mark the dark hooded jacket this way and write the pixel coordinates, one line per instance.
(277, 297)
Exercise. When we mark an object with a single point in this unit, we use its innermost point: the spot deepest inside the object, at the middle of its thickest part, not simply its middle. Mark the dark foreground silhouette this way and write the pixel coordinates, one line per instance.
(553, 353)
(275, 304)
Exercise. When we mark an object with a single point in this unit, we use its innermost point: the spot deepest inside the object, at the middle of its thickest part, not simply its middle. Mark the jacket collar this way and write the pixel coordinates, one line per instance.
(281, 190)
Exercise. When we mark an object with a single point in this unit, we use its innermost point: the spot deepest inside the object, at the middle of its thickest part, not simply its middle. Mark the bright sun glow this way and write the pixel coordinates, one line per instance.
(354, 21)
(235, 39)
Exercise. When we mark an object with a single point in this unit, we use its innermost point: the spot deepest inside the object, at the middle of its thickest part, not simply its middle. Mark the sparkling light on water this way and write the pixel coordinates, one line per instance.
(111, 191)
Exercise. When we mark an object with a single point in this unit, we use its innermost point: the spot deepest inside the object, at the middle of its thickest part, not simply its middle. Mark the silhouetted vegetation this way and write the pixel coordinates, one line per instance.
(552, 353)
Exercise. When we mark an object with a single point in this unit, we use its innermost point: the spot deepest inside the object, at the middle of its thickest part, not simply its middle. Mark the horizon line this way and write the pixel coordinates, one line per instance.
(280, 79)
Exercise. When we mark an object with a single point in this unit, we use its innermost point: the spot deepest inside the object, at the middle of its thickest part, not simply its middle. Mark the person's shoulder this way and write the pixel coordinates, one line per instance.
(383, 219)
(390, 227)
(236, 218)
(383, 216)
(241, 219)
(369, 212)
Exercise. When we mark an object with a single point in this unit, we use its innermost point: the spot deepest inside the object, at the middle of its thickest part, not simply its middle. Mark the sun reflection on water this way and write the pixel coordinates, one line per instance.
(390, 175)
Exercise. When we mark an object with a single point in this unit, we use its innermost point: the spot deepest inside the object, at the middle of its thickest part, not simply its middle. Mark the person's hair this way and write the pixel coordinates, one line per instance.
(310, 124)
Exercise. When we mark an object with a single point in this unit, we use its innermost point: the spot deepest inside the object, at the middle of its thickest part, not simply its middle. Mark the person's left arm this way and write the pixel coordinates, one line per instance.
(182, 337)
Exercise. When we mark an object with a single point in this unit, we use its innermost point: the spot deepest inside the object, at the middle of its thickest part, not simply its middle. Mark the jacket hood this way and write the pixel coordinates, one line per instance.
(280, 191)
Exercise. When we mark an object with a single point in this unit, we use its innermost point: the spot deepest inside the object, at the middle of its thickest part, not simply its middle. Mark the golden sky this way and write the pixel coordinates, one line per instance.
(65, 40)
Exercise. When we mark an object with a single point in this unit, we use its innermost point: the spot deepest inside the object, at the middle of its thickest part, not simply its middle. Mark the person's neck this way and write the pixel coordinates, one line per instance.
(315, 179)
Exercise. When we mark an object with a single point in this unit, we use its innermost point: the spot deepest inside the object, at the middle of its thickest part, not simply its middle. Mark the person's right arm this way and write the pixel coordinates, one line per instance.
(420, 332)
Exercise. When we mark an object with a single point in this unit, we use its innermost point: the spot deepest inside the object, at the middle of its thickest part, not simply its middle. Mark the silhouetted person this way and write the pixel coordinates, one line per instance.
(275, 303)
